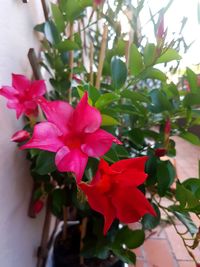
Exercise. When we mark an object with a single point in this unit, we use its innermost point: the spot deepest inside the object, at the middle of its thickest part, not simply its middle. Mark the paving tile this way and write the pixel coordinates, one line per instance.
(158, 253)
(177, 245)
(186, 264)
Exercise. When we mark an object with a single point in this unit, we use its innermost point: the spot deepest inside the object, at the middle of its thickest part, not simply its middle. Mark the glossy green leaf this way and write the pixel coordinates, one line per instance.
(58, 17)
(149, 221)
(125, 255)
(136, 64)
(165, 175)
(191, 99)
(111, 156)
(51, 32)
(160, 102)
(157, 74)
(192, 79)
(131, 238)
(118, 72)
(108, 120)
(135, 96)
(45, 163)
(105, 100)
(149, 54)
(67, 45)
(186, 198)
(185, 218)
(169, 55)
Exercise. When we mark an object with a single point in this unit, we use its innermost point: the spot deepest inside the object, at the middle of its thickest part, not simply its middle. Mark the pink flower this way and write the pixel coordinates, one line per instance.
(23, 95)
(20, 136)
(74, 134)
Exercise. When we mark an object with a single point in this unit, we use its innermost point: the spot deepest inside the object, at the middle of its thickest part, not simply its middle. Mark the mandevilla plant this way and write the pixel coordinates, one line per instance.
(96, 150)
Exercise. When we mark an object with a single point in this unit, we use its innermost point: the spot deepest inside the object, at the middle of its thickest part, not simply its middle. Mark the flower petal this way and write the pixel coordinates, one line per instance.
(46, 136)
(57, 112)
(100, 203)
(98, 143)
(71, 161)
(131, 171)
(8, 92)
(20, 82)
(38, 88)
(131, 204)
(86, 119)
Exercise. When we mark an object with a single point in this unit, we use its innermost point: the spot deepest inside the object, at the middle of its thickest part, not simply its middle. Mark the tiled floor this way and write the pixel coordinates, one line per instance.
(165, 248)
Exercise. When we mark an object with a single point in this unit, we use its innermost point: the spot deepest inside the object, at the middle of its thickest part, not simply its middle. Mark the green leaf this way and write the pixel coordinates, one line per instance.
(40, 27)
(58, 17)
(108, 120)
(51, 32)
(58, 200)
(149, 54)
(149, 221)
(186, 198)
(160, 102)
(131, 238)
(184, 217)
(153, 73)
(169, 55)
(67, 45)
(190, 137)
(192, 79)
(111, 156)
(121, 151)
(191, 99)
(166, 175)
(45, 163)
(136, 64)
(105, 99)
(124, 255)
(134, 96)
(118, 72)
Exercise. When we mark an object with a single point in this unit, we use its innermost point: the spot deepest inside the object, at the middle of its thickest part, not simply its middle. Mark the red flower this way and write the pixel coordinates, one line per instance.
(37, 206)
(73, 134)
(23, 94)
(113, 191)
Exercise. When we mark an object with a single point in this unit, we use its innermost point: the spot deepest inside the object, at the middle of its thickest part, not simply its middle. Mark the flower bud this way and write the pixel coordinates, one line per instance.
(20, 136)
(160, 152)
(37, 206)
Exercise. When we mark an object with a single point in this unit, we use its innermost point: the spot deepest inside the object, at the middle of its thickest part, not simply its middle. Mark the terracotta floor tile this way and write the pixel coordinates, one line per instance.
(158, 253)
(178, 248)
(186, 264)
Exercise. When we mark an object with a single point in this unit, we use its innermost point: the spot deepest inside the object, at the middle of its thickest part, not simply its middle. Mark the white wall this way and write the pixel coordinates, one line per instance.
(19, 235)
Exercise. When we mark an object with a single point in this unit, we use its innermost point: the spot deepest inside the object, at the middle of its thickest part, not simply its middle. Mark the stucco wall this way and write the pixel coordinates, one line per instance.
(19, 235)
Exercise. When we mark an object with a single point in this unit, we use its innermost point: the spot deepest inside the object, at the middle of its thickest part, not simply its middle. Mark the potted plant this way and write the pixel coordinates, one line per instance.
(96, 139)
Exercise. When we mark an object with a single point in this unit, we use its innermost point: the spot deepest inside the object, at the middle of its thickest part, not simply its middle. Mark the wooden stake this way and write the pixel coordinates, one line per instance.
(42, 251)
(83, 232)
(102, 56)
(34, 64)
(45, 9)
(91, 63)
